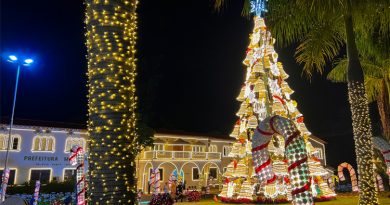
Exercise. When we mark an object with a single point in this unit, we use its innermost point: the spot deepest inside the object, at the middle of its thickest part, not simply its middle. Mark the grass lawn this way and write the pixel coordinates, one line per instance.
(341, 200)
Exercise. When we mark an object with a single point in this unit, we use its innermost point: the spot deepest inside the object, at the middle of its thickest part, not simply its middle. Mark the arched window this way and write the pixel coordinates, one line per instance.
(226, 150)
(43, 143)
(73, 141)
(197, 148)
(213, 148)
(15, 142)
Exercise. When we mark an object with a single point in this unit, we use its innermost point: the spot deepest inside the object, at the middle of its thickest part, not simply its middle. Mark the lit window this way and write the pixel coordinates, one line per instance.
(69, 174)
(40, 174)
(318, 153)
(14, 143)
(73, 141)
(43, 144)
(197, 148)
(195, 173)
(158, 147)
(226, 150)
(213, 173)
(11, 179)
(213, 148)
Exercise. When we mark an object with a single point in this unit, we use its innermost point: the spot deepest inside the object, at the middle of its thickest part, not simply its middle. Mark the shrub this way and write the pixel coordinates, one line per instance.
(161, 199)
(193, 196)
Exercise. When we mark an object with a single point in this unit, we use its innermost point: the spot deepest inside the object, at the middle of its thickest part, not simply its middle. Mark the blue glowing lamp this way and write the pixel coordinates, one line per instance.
(12, 58)
(25, 62)
(20, 63)
(28, 62)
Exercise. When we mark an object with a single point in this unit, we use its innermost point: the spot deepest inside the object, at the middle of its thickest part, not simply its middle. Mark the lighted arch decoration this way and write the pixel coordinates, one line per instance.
(169, 179)
(219, 171)
(180, 174)
(189, 162)
(167, 163)
(295, 151)
(146, 165)
(384, 147)
(352, 173)
(147, 174)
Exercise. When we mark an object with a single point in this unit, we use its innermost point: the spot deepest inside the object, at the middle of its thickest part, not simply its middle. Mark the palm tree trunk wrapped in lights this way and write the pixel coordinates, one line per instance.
(361, 122)
(111, 36)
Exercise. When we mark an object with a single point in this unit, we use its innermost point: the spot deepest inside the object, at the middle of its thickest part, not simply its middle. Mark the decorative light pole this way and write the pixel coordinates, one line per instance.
(26, 62)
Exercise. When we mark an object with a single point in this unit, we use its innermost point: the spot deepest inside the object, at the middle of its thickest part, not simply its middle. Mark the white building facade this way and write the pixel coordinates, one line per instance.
(199, 160)
(39, 152)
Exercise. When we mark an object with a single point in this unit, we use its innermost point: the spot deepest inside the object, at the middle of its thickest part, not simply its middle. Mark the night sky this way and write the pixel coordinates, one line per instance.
(190, 70)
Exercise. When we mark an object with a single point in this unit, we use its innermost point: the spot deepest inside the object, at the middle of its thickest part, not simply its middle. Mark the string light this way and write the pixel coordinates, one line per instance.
(111, 27)
(266, 93)
(362, 130)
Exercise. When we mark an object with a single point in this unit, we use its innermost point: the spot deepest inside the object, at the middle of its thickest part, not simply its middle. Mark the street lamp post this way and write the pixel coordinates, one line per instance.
(26, 62)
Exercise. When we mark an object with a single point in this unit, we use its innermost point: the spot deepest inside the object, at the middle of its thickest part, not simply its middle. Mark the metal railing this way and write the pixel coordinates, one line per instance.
(181, 155)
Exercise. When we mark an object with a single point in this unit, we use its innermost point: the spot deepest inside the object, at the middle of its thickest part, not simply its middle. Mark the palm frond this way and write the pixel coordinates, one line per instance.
(375, 15)
(329, 6)
(373, 87)
(384, 18)
(321, 45)
(371, 69)
(372, 27)
(374, 76)
(246, 9)
(339, 72)
(219, 4)
(287, 21)
(387, 85)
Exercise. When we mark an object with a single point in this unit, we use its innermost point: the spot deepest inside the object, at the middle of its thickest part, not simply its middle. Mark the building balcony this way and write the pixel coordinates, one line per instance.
(182, 155)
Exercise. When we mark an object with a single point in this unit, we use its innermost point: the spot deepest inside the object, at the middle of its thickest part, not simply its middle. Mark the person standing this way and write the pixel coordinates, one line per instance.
(179, 192)
(173, 190)
(166, 188)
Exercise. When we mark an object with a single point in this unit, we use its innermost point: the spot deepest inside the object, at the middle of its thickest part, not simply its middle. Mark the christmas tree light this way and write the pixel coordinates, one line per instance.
(266, 93)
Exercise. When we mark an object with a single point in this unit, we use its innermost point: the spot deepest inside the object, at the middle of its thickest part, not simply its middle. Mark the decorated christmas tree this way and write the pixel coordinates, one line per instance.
(266, 93)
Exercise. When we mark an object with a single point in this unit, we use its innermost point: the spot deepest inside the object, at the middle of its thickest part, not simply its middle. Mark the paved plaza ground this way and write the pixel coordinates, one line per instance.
(341, 200)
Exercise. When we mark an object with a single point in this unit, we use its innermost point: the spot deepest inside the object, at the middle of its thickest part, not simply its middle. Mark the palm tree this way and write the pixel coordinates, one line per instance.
(114, 143)
(376, 69)
(377, 85)
(323, 29)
